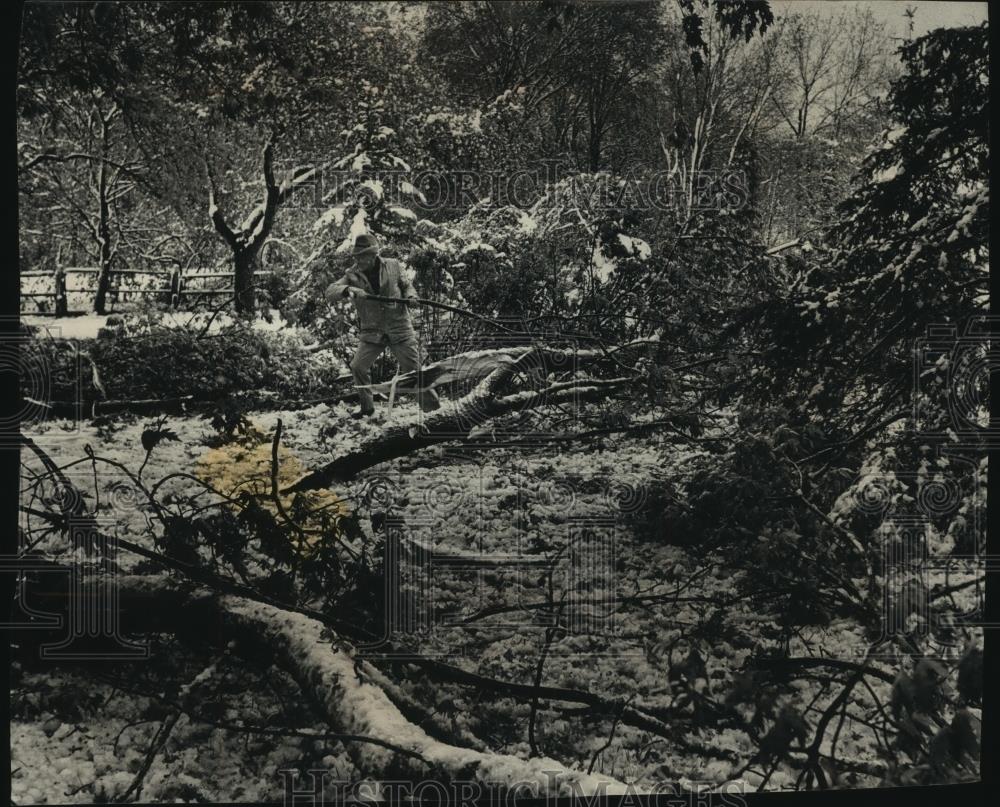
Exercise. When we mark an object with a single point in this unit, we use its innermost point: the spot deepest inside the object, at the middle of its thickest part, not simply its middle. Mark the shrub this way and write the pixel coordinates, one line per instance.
(164, 362)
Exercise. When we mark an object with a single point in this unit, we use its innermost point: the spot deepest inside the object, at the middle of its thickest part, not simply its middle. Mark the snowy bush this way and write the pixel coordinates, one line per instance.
(165, 362)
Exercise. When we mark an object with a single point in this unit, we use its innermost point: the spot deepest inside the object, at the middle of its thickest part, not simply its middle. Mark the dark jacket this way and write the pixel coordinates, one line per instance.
(378, 320)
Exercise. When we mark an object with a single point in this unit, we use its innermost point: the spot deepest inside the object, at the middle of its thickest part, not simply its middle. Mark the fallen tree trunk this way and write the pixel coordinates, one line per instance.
(348, 692)
(74, 409)
(653, 720)
(454, 420)
(451, 422)
(153, 608)
(343, 688)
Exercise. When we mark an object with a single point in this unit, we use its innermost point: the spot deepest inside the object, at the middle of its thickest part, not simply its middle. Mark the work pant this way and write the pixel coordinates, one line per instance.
(407, 357)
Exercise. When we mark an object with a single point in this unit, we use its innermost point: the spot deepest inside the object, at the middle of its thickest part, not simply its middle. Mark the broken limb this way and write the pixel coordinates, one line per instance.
(448, 423)
(334, 679)
(455, 420)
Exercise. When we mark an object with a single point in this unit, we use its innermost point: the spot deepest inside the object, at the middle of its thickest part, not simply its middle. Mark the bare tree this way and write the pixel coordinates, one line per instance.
(834, 69)
(246, 240)
(82, 169)
(704, 117)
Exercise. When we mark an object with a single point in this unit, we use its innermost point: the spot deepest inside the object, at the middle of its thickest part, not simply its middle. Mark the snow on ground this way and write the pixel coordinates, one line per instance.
(94, 755)
(494, 501)
(86, 326)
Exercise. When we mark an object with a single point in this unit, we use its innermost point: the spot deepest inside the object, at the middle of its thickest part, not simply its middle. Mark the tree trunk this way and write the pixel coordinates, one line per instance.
(347, 692)
(248, 239)
(594, 140)
(103, 227)
(243, 290)
(455, 419)
(62, 302)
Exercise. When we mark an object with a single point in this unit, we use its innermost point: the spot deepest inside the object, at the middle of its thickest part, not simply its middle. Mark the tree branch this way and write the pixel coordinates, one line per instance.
(334, 679)
(218, 220)
(454, 421)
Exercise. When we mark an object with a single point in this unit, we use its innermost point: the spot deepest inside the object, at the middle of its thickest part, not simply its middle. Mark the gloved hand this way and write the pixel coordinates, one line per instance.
(353, 292)
(335, 292)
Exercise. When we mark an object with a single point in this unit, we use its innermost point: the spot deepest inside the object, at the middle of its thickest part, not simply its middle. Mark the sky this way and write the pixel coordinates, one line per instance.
(929, 15)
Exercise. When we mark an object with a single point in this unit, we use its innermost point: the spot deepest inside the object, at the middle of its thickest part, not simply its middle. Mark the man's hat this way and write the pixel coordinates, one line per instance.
(364, 243)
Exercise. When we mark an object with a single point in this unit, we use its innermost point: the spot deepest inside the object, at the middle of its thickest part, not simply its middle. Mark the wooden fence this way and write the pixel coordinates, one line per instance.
(178, 288)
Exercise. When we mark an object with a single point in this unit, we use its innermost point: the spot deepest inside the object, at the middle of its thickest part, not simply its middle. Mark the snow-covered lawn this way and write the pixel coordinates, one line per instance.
(94, 756)
(86, 326)
(491, 501)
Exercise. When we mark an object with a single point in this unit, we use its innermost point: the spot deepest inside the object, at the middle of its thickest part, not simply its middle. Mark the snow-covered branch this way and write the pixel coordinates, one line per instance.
(456, 419)
(346, 690)
(218, 220)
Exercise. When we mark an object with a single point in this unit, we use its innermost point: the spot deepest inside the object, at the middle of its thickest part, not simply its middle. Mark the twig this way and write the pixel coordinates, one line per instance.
(550, 633)
(276, 496)
(125, 728)
(611, 736)
(149, 452)
(833, 663)
(813, 768)
(159, 740)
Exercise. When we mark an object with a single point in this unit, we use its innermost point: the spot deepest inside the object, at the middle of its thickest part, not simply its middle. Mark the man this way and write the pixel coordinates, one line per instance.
(380, 323)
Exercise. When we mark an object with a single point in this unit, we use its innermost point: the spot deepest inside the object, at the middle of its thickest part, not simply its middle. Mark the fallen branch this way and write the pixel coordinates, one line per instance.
(158, 603)
(654, 720)
(334, 678)
(454, 420)
(832, 663)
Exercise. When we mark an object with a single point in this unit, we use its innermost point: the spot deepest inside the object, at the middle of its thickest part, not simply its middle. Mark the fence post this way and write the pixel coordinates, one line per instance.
(113, 293)
(61, 302)
(175, 287)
